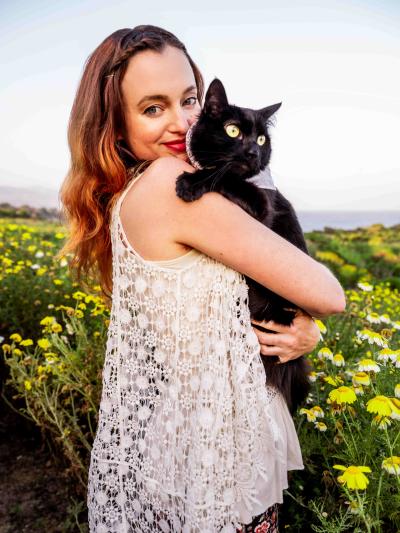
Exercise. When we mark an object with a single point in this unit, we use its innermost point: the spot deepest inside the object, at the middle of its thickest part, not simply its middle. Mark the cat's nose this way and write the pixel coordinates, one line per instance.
(252, 153)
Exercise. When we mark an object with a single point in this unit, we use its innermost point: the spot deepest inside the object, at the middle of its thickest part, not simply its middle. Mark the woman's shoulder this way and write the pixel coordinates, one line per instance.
(157, 183)
(166, 168)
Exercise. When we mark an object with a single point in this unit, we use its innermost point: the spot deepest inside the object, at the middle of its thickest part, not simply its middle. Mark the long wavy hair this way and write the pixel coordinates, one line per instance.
(101, 164)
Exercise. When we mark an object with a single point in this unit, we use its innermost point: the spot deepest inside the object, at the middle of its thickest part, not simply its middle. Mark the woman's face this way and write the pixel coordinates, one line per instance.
(160, 98)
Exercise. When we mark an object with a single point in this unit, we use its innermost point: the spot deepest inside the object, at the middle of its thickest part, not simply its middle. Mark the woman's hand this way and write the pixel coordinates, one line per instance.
(289, 342)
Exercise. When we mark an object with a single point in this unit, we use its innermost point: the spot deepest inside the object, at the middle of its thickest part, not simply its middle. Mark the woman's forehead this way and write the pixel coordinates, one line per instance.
(151, 72)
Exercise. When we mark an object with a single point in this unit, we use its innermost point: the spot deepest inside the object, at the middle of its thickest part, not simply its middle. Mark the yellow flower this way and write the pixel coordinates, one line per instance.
(372, 337)
(78, 295)
(311, 417)
(320, 426)
(312, 376)
(79, 313)
(343, 395)
(26, 342)
(361, 378)
(374, 318)
(44, 343)
(27, 384)
(56, 328)
(392, 465)
(338, 360)
(47, 320)
(6, 348)
(386, 354)
(16, 337)
(58, 281)
(353, 476)
(382, 422)
(368, 365)
(320, 325)
(335, 381)
(325, 353)
(385, 318)
(318, 411)
(380, 405)
(395, 408)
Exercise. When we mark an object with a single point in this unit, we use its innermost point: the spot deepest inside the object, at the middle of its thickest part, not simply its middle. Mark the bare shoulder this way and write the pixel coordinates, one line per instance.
(166, 169)
(156, 186)
(159, 183)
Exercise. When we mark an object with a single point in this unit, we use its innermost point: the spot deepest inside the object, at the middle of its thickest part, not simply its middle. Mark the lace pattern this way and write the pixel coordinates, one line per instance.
(187, 434)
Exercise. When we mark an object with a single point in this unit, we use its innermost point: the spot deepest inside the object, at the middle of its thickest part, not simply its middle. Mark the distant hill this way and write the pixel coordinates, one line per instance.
(33, 196)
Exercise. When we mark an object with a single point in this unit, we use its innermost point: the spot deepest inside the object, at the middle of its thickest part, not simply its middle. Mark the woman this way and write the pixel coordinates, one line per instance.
(189, 437)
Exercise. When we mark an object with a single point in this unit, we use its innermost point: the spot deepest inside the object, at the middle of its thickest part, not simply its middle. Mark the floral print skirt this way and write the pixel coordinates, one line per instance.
(265, 522)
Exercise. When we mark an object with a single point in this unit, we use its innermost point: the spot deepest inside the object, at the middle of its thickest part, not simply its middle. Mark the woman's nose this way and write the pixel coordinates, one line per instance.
(180, 120)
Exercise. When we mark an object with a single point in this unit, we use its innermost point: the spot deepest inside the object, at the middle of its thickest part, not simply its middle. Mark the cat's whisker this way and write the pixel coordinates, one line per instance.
(217, 175)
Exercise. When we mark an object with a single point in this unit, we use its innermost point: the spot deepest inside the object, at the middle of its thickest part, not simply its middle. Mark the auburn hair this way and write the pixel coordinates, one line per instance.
(99, 162)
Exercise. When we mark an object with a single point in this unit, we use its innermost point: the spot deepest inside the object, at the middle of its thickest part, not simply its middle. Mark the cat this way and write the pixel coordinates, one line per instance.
(229, 146)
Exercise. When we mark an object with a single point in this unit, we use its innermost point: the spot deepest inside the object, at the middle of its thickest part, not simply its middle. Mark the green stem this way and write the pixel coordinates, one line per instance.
(361, 506)
(350, 431)
(378, 502)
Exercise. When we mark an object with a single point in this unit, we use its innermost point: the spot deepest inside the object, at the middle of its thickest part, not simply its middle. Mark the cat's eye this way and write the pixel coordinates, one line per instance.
(261, 140)
(232, 130)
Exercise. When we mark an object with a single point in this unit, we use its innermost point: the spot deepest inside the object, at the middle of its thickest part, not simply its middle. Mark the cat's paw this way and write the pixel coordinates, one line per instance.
(187, 191)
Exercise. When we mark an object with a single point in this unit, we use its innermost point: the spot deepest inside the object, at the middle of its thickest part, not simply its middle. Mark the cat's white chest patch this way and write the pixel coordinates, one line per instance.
(263, 179)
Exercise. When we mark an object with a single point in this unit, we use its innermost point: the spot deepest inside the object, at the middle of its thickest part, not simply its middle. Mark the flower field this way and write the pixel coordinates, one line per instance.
(53, 335)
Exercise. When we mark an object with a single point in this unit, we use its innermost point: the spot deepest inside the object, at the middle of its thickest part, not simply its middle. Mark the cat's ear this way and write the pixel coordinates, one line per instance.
(215, 100)
(267, 112)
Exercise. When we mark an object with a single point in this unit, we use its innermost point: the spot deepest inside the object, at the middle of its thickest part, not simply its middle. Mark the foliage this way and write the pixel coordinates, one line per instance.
(54, 338)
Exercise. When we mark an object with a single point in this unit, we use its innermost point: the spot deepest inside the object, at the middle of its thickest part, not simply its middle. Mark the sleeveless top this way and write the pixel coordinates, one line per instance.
(189, 438)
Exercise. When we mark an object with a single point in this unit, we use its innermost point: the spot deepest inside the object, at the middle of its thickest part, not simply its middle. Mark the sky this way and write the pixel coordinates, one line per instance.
(334, 65)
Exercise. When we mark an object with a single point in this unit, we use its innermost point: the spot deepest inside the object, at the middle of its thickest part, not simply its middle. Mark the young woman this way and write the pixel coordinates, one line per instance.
(189, 437)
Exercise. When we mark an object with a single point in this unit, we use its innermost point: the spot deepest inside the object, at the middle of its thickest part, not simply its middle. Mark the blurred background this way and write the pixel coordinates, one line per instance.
(334, 65)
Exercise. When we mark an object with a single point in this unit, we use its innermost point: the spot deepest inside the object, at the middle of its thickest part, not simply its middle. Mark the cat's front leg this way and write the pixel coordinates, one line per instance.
(191, 186)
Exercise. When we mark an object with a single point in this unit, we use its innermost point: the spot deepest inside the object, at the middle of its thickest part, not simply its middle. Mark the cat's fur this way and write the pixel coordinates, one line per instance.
(227, 163)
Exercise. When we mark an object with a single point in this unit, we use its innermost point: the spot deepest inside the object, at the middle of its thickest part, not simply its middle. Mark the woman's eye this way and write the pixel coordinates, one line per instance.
(193, 100)
(232, 130)
(149, 110)
(261, 140)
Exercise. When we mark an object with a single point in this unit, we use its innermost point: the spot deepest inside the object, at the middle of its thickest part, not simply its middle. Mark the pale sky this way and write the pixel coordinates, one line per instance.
(334, 65)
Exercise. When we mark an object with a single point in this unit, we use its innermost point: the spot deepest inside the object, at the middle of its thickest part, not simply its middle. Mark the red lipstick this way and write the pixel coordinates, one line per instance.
(177, 146)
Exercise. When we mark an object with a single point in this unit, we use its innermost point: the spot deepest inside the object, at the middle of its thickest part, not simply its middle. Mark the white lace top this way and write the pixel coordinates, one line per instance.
(189, 438)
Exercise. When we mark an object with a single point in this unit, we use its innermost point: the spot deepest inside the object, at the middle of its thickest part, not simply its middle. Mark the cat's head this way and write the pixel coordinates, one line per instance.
(229, 136)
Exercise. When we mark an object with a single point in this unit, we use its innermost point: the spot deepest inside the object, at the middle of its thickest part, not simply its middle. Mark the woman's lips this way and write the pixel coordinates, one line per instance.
(179, 146)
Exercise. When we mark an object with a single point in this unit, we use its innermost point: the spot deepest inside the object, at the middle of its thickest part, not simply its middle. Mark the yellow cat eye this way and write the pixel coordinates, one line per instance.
(261, 140)
(232, 130)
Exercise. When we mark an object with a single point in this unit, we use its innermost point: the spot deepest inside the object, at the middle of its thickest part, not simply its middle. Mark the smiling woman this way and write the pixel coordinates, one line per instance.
(189, 436)
(157, 111)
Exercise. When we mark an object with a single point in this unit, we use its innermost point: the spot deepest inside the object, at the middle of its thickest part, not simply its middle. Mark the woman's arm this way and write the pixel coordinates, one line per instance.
(221, 229)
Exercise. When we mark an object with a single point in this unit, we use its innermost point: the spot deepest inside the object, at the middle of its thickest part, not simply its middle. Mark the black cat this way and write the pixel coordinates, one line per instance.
(229, 146)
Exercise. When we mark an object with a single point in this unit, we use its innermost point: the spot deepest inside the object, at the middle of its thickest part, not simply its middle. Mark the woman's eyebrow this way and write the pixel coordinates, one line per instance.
(163, 97)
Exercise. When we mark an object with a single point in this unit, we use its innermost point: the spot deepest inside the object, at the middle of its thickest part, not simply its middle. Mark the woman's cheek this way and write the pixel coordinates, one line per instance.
(194, 115)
